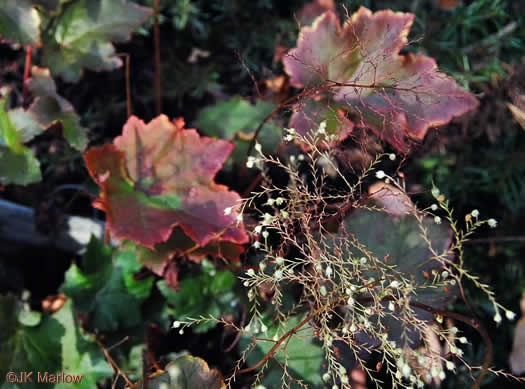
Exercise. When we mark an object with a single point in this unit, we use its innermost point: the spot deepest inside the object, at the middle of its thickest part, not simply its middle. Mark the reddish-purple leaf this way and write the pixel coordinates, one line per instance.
(159, 175)
(397, 96)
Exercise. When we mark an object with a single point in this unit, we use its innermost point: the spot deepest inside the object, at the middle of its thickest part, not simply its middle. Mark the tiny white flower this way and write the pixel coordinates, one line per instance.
(350, 301)
(335, 387)
(267, 219)
(262, 266)
(263, 328)
(239, 218)
(323, 290)
(492, 223)
(444, 274)
(406, 370)
(463, 340)
(288, 138)
(434, 207)
(278, 274)
(250, 272)
(362, 260)
(265, 234)
(257, 229)
(454, 330)
(292, 158)
(291, 131)
(437, 220)
(279, 200)
(395, 284)
(181, 331)
(322, 128)
(450, 365)
(250, 163)
(392, 157)
(353, 328)
(475, 213)
(227, 211)
(285, 214)
(326, 377)
(270, 201)
(435, 192)
(348, 291)
(258, 146)
(300, 157)
(380, 174)
(176, 324)
(497, 318)
(391, 306)
(344, 379)
(246, 283)
(510, 315)
(279, 260)
(328, 271)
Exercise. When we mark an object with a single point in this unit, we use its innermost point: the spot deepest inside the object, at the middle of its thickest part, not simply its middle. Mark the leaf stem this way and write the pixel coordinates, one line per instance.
(156, 40)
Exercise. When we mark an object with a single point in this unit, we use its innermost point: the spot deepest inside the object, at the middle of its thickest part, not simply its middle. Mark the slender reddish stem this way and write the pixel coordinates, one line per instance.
(156, 37)
(27, 73)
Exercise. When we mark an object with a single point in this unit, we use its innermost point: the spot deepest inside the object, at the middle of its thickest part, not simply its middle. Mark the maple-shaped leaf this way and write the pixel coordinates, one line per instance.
(80, 36)
(358, 66)
(159, 175)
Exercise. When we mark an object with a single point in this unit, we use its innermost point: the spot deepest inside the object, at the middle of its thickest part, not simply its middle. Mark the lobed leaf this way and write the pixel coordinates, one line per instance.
(186, 372)
(54, 344)
(359, 67)
(81, 36)
(19, 22)
(300, 353)
(157, 176)
(49, 108)
(208, 294)
(389, 231)
(236, 120)
(107, 292)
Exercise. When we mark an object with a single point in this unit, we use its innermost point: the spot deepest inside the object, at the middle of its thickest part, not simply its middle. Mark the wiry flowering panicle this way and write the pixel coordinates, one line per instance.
(350, 287)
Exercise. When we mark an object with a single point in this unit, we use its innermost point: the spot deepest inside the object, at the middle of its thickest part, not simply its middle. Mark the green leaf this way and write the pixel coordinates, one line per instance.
(236, 120)
(54, 345)
(19, 22)
(18, 165)
(20, 169)
(80, 354)
(187, 372)
(107, 292)
(208, 294)
(50, 108)
(81, 36)
(300, 353)
(22, 348)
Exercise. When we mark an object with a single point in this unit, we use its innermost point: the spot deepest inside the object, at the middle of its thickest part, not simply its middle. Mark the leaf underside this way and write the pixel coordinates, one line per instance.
(398, 97)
